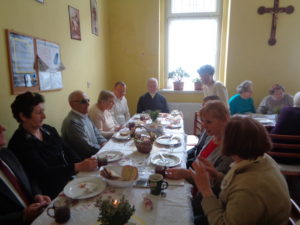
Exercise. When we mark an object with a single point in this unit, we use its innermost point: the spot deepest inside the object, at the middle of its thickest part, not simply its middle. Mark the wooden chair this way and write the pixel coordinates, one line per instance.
(295, 213)
(286, 169)
(197, 124)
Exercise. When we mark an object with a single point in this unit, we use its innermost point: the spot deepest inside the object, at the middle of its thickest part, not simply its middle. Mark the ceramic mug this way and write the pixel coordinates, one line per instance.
(157, 184)
(61, 210)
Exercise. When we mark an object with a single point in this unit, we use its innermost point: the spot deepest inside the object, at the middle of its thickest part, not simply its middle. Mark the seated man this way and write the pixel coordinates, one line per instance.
(21, 203)
(120, 109)
(78, 130)
(152, 100)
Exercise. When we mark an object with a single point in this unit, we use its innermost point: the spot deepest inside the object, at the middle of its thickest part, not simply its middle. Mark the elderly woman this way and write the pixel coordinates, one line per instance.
(273, 103)
(102, 117)
(214, 116)
(47, 160)
(253, 191)
(242, 102)
(210, 86)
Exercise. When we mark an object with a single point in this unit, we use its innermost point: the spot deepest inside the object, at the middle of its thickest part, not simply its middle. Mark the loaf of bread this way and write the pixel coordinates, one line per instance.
(129, 173)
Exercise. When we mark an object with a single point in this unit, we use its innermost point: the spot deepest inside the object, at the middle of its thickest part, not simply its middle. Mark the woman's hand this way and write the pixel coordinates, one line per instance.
(86, 165)
(213, 173)
(200, 175)
(177, 173)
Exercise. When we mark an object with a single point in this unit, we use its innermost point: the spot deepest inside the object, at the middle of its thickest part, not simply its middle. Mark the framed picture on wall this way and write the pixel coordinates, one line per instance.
(40, 1)
(94, 17)
(74, 23)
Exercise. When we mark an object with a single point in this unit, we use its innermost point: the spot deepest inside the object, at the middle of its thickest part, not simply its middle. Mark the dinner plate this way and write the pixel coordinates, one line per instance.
(263, 120)
(165, 159)
(84, 187)
(168, 140)
(174, 126)
(120, 137)
(111, 156)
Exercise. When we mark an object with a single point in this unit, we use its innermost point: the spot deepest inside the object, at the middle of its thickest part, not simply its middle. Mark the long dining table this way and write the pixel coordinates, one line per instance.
(173, 207)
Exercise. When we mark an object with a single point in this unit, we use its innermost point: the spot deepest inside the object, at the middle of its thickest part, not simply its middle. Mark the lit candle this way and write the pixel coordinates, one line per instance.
(115, 203)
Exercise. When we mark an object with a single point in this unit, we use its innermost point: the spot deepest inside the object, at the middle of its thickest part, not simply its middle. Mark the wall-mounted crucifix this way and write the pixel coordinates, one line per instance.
(275, 11)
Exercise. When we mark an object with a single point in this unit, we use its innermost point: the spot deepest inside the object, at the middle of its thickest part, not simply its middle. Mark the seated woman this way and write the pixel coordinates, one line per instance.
(47, 160)
(242, 102)
(214, 116)
(253, 191)
(273, 103)
(102, 117)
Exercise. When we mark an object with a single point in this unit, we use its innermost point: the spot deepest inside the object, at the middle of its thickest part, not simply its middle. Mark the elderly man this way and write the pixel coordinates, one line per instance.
(152, 100)
(210, 86)
(78, 130)
(21, 202)
(120, 109)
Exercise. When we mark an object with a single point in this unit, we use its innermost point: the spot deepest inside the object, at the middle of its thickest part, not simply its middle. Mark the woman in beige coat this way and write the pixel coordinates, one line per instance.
(254, 190)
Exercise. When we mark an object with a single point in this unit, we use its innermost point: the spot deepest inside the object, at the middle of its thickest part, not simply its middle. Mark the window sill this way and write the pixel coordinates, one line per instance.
(180, 92)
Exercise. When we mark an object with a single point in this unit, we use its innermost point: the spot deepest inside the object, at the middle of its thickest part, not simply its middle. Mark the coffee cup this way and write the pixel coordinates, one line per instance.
(61, 210)
(161, 170)
(157, 184)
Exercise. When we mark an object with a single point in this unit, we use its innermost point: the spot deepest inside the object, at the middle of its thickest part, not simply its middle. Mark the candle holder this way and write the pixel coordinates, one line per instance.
(114, 212)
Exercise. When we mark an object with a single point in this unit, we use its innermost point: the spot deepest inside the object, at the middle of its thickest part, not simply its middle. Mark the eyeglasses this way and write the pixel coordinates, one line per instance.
(83, 101)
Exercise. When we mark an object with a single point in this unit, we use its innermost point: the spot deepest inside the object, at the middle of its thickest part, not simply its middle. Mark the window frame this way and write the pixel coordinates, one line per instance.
(201, 15)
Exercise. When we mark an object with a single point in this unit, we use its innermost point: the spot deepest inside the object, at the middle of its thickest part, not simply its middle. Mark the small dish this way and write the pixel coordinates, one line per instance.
(165, 159)
(111, 156)
(117, 136)
(168, 140)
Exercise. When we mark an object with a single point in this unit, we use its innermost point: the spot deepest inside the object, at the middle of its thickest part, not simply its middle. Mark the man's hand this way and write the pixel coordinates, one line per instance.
(32, 211)
(42, 199)
(86, 165)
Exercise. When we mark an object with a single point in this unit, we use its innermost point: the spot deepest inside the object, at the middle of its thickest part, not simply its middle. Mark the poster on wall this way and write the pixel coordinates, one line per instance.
(94, 17)
(50, 65)
(74, 23)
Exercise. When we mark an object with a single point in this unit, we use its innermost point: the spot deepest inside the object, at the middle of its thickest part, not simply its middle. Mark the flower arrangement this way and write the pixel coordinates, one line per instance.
(114, 212)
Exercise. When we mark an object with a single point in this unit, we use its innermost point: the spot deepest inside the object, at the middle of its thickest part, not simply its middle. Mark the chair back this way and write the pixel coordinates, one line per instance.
(282, 150)
(295, 213)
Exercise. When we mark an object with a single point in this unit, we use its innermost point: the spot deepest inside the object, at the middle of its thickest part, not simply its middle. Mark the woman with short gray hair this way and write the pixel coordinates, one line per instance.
(242, 102)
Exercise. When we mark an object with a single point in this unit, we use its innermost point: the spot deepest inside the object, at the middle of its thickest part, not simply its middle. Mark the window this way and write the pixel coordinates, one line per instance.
(193, 36)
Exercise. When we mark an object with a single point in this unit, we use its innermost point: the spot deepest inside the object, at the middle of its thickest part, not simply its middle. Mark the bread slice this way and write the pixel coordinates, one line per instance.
(109, 174)
(129, 173)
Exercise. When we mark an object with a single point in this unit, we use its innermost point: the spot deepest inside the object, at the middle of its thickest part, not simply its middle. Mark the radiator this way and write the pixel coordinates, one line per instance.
(188, 109)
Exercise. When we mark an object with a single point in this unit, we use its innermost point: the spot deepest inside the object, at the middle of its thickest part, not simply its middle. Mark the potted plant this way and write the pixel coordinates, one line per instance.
(197, 84)
(114, 212)
(177, 76)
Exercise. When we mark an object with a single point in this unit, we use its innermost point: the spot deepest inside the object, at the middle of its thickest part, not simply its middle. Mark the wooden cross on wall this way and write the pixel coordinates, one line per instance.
(275, 11)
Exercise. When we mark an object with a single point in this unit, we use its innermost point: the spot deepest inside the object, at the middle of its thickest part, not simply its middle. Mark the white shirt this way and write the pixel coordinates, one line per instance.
(10, 186)
(120, 111)
(103, 120)
(217, 89)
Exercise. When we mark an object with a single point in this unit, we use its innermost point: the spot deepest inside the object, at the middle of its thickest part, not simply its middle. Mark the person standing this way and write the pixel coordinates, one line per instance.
(210, 86)
(120, 109)
(78, 130)
(152, 100)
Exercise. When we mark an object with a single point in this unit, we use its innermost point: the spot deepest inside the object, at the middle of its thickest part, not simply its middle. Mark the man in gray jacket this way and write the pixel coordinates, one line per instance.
(78, 130)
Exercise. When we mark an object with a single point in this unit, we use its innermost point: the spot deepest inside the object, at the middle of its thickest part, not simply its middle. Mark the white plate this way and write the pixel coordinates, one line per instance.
(111, 155)
(119, 137)
(84, 187)
(264, 120)
(174, 126)
(169, 160)
(168, 140)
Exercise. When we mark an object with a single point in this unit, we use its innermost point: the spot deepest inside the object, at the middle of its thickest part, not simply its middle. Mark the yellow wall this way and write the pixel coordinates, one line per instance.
(249, 55)
(84, 60)
(128, 49)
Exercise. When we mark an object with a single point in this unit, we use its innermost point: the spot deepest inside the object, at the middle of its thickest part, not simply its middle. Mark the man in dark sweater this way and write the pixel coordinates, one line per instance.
(152, 100)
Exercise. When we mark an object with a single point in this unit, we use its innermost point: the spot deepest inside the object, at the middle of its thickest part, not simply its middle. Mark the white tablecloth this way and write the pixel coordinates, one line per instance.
(173, 209)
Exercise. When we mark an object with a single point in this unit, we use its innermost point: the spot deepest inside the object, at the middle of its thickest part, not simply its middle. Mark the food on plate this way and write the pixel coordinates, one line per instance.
(124, 132)
(87, 187)
(128, 173)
